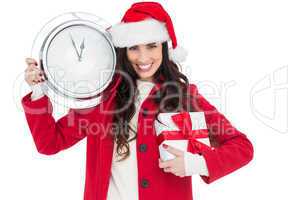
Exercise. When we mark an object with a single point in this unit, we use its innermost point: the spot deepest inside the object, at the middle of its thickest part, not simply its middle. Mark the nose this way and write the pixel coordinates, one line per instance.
(144, 56)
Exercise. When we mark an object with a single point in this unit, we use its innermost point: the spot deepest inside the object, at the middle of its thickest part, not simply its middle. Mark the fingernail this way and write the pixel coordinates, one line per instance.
(165, 146)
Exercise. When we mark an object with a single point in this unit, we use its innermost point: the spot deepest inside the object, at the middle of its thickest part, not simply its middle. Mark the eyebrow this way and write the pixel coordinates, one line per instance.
(149, 44)
(153, 43)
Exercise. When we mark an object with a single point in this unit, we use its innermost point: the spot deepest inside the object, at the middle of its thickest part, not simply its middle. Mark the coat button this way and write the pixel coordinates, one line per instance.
(144, 183)
(143, 147)
(145, 112)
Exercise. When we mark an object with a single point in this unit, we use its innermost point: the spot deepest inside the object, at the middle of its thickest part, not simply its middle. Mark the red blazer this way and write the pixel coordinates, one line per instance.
(232, 148)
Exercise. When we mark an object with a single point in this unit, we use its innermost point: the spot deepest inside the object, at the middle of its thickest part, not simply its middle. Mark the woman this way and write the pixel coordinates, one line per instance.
(122, 152)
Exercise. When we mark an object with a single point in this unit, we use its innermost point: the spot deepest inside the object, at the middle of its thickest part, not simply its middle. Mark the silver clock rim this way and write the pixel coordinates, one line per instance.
(54, 94)
(43, 58)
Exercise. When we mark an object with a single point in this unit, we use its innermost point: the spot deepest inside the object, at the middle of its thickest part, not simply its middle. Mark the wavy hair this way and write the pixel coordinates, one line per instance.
(171, 97)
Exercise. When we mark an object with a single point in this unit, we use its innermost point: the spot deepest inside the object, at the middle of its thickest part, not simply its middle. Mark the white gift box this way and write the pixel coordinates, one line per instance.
(167, 124)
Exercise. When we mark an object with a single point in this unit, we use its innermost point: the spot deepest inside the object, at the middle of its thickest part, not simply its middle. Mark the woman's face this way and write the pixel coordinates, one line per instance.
(145, 59)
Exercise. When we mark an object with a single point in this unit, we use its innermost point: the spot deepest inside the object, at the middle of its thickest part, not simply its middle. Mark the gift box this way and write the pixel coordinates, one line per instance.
(186, 131)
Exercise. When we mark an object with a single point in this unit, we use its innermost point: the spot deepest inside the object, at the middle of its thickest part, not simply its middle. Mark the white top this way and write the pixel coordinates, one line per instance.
(123, 183)
(124, 179)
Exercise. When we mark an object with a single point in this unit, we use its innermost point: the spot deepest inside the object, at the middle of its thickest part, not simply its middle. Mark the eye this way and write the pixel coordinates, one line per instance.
(133, 48)
(152, 46)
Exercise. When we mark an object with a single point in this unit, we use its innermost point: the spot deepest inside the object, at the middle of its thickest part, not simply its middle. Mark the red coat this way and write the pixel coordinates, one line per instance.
(232, 151)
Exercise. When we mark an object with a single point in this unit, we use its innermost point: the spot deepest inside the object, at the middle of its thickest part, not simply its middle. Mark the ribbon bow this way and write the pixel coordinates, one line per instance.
(184, 123)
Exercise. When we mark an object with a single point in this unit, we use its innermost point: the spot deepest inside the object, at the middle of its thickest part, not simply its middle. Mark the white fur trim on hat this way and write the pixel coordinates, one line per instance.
(178, 54)
(142, 32)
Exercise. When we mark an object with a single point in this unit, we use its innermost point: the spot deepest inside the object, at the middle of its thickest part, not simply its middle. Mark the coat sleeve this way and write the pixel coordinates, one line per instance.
(51, 136)
(231, 148)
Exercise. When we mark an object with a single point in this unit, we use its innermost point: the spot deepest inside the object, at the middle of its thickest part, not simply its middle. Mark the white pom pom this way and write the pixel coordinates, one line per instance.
(178, 54)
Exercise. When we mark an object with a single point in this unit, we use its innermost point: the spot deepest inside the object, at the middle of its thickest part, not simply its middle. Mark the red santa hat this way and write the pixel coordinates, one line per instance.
(147, 22)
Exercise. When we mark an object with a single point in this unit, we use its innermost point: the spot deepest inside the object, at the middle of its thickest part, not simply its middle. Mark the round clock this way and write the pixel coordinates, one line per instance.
(77, 55)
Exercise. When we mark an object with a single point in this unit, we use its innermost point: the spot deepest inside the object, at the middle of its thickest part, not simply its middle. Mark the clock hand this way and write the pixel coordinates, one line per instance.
(74, 45)
(81, 49)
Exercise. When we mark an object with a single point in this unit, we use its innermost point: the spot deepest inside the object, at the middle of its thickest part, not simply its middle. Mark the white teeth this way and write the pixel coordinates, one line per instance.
(145, 66)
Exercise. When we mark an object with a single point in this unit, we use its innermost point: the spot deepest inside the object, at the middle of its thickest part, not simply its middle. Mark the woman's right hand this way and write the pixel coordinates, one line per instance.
(33, 74)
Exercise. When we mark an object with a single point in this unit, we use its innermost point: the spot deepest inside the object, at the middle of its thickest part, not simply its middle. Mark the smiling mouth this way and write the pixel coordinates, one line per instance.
(144, 67)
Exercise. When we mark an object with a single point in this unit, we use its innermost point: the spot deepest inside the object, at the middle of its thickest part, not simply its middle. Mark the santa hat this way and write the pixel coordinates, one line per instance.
(147, 22)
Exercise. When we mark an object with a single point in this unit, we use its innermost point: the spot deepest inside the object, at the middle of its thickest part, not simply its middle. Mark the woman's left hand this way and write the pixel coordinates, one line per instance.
(176, 165)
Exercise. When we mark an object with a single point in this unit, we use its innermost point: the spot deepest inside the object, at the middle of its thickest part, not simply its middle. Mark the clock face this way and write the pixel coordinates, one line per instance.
(79, 60)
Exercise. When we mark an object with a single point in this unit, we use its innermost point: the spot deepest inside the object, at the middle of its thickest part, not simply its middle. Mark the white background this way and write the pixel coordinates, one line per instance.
(244, 57)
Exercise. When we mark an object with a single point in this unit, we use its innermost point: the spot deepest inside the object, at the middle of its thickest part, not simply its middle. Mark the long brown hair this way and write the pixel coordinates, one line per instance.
(172, 96)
